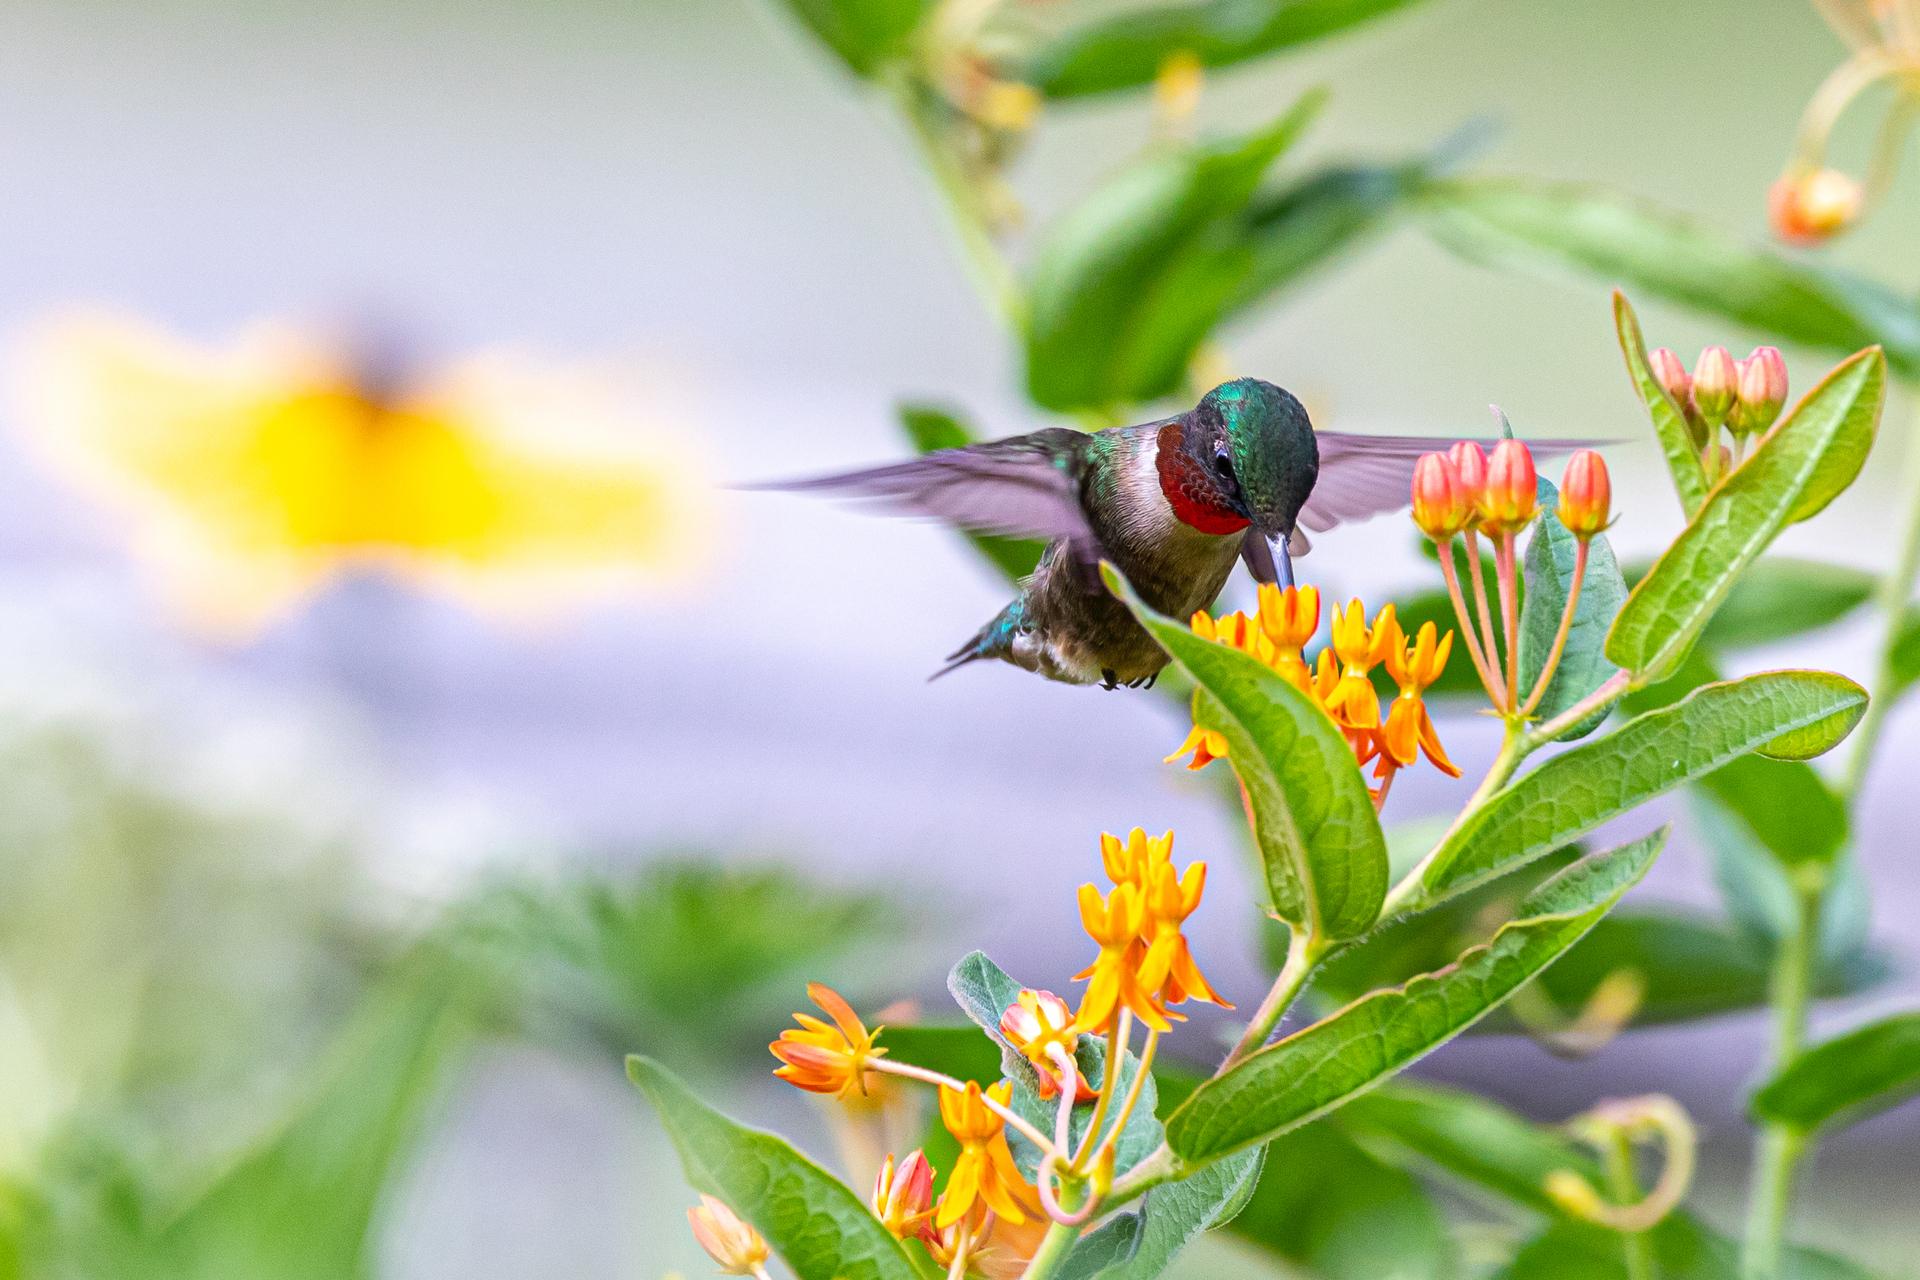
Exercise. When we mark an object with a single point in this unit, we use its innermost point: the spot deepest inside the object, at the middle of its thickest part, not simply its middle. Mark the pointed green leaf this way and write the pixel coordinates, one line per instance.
(1176, 1213)
(1799, 466)
(1316, 1069)
(1669, 423)
(817, 1225)
(867, 34)
(1575, 792)
(1550, 558)
(1847, 1078)
(931, 428)
(1318, 834)
(1589, 232)
(1779, 597)
(1127, 284)
(1105, 1249)
(1127, 51)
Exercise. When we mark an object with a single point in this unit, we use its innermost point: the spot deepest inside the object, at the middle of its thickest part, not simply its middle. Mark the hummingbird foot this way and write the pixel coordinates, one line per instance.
(1109, 678)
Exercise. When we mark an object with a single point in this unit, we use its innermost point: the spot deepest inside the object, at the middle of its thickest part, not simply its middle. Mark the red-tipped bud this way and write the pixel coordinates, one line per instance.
(1673, 375)
(1440, 506)
(1720, 459)
(1470, 466)
(1714, 386)
(1586, 494)
(1811, 205)
(903, 1196)
(1512, 496)
(1760, 390)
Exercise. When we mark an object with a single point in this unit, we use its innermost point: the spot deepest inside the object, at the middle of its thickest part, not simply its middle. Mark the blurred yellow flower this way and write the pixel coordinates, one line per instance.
(256, 472)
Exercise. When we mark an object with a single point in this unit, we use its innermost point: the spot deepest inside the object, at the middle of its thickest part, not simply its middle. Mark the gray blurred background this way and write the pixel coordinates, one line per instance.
(690, 192)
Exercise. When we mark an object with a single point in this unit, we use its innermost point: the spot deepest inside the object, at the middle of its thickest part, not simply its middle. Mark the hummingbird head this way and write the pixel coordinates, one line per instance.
(1253, 443)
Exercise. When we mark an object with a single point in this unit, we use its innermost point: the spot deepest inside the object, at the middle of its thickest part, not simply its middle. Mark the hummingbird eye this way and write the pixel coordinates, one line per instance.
(1223, 467)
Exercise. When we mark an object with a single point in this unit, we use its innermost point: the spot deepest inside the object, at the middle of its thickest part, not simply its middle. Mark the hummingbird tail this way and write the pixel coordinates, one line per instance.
(958, 659)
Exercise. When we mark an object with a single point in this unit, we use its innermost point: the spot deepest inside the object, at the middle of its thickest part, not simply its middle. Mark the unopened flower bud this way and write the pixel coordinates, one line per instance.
(1761, 388)
(1440, 506)
(903, 1195)
(1512, 497)
(1470, 467)
(1586, 494)
(1720, 461)
(734, 1246)
(1714, 386)
(1672, 373)
(1811, 205)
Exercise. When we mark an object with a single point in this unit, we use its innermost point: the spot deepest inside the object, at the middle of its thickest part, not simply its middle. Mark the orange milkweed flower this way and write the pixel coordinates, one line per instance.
(1352, 702)
(827, 1058)
(1132, 861)
(1409, 726)
(1039, 1024)
(984, 1172)
(1168, 968)
(1115, 922)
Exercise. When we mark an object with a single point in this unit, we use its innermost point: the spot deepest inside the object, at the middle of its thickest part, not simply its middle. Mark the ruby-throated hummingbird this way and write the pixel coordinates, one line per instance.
(1171, 503)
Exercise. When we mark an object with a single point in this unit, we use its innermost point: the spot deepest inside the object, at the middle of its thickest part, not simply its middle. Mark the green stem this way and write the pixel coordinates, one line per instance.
(986, 263)
(1780, 1147)
(1304, 950)
(1055, 1245)
(1406, 895)
(1894, 591)
(1626, 1190)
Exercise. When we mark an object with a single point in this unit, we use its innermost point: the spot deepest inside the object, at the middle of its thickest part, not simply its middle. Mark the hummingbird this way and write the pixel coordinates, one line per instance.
(1171, 503)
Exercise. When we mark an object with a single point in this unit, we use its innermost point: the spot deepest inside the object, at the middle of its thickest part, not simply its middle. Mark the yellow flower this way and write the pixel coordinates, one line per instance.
(1168, 968)
(1131, 861)
(984, 1171)
(823, 1058)
(253, 475)
(1352, 702)
(1115, 922)
(903, 1196)
(735, 1247)
(1207, 745)
(1409, 726)
(1040, 1025)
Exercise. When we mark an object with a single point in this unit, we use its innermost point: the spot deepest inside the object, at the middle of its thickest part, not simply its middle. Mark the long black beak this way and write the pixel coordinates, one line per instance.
(1258, 554)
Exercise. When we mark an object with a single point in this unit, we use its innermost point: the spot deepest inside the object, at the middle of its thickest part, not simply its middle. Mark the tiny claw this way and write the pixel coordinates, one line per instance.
(1109, 678)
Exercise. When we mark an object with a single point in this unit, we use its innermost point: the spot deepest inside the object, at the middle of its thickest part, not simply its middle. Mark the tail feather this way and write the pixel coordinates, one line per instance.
(991, 641)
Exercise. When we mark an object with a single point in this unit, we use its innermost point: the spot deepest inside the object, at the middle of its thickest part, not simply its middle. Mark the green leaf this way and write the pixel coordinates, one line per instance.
(1550, 558)
(817, 1226)
(1307, 223)
(867, 34)
(1333, 1209)
(1176, 1213)
(1533, 225)
(1904, 655)
(1470, 1138)
(1128, 50)
(958, 1051)
(1778, 598)
(1846, 1078)
(1104, 1249)
(1683, 1249)
(1578, 790)
(1319, 837)
(1127, 285)
(1316, 1069)
(1669, 422)
(1788, 807)
(1807, 458)
(931, 428)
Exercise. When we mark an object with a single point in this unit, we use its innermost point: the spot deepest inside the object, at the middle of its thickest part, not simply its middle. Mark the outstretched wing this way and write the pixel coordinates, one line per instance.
(1363, 476)
(1023, 487)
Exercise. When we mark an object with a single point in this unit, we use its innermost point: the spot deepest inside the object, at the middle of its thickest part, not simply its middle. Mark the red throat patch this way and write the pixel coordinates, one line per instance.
(1190, 491)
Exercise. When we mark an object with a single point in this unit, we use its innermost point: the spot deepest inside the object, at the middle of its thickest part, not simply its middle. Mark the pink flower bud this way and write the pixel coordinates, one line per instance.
(1672, 374)
(1811, 205)
(1512, 496)
(1760, 390)
(1440, 506)
(1714, 379)
(903, 1196)
(1586, 494)
(1470, 465)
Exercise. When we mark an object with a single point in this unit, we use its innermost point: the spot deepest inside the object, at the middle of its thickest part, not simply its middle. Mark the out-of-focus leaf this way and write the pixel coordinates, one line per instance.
(819, 1228)
(931, 428)
(1177, 1212)
(691, 958)
(1330, 1207)
(1314, 1070)
(1683, 1249)
(1669, 422)
(1127, 285)
(1799, 466)
(1778, 598)
(1127, 51)
(1307, 223)
(1787, 806)
(1319, 836)
(866, 34)
(1578, 790)
(962, 1052)
(1904, 660)
(304, 1203)
(1590, 232)
(1847, 1078)
(1549, 565)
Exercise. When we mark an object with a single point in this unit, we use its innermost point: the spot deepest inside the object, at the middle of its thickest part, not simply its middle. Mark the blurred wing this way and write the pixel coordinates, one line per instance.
(1363, 476)
(1024, 487)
